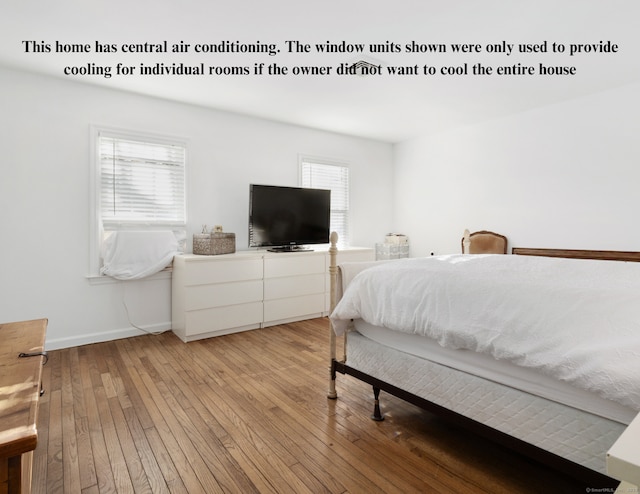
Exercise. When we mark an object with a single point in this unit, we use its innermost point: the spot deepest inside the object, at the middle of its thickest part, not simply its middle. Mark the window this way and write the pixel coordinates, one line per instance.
(324, 174)
(139, 184)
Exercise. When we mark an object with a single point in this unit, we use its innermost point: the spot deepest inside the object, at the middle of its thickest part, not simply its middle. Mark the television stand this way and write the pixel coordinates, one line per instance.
(290, 248)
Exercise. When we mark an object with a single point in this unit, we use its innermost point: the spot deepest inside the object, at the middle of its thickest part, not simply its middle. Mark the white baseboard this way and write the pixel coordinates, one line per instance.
(116, 334)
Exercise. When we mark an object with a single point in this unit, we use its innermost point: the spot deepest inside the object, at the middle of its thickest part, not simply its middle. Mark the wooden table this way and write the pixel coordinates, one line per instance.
(21, 360)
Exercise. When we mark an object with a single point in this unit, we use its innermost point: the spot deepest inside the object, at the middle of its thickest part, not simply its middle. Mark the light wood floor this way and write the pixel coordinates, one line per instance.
(248, 413)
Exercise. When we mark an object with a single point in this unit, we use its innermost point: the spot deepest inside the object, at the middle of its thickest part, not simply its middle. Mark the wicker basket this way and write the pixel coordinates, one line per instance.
(213, 244)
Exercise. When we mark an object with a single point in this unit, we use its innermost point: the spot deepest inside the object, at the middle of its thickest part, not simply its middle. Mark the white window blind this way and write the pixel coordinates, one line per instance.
(335, 177)
(141, 182)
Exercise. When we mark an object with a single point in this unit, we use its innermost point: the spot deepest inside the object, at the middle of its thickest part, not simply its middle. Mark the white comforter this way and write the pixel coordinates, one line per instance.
(575, 320)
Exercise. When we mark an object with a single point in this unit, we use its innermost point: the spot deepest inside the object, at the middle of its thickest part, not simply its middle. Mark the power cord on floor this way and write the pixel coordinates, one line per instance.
(126, 309)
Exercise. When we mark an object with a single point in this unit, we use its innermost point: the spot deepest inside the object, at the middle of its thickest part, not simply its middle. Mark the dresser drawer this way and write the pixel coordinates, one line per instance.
(222, 271)
(209, 296)
(293, 286)
(293, 307)
(223, 318)
(294, 265)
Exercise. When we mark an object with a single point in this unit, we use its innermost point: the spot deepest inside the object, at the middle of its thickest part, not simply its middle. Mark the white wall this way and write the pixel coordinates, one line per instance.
(44, 195)
(562, 176)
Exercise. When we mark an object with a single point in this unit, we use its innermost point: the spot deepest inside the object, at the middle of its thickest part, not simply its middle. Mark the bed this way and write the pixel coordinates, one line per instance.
(562, 397)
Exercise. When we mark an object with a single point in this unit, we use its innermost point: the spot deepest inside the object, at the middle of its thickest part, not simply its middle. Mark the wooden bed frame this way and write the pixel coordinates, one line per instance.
(603, 255)
(575, 470)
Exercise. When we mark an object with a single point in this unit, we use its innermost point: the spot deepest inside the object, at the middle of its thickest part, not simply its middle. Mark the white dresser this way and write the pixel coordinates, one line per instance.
(216, 295)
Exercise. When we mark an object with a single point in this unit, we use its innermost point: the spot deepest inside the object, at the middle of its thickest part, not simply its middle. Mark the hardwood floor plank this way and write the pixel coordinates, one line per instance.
(296, 439)
(131, 392)
(289, 440)
(103, 472)
(256, 455)
(129, 450)
(86, 467)
(172, 477)
(173, 416)
(290, 393)
(55, 475)
(145, 452)
(206, 431)
(39, 476)
(286, 405)
(112, 443)
(169, 443)
(70, 461)
(328, 433)
(248, 413)
(234, 421)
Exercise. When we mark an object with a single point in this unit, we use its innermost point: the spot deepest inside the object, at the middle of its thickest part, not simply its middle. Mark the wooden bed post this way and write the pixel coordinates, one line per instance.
(333, 274)
(466, 243)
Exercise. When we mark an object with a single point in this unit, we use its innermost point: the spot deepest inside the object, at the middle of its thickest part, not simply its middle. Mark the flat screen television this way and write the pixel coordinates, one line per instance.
(286, 218)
